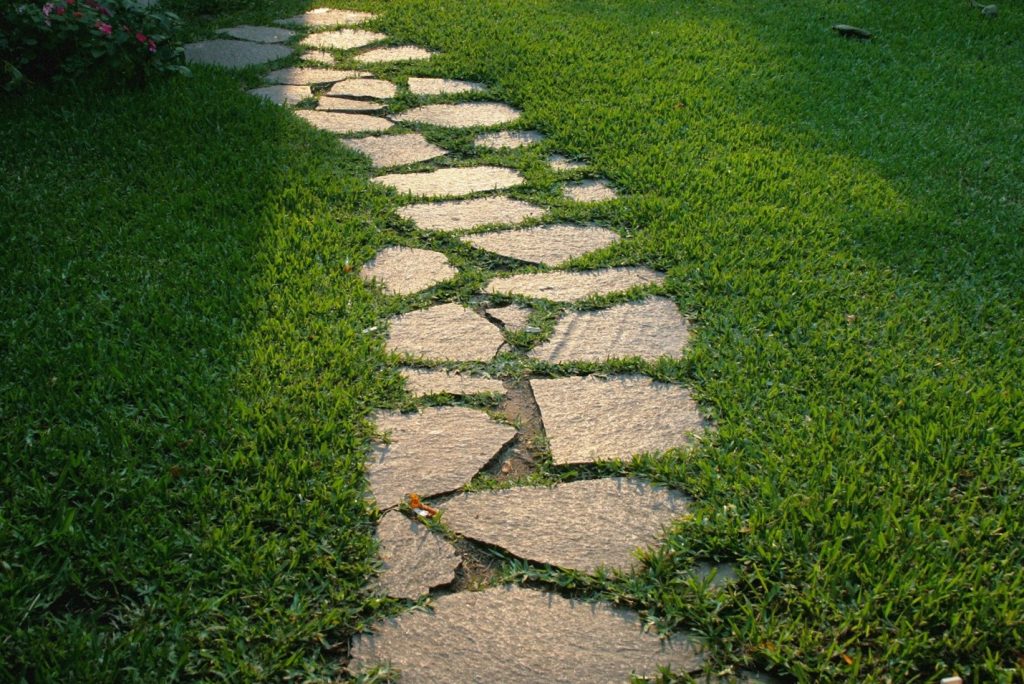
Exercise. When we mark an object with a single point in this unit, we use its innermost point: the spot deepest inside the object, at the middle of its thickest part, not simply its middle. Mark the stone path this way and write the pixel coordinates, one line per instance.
(564, 418)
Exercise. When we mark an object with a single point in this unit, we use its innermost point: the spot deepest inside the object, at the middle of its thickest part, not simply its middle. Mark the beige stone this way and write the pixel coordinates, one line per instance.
(571, 286)
(395, 150)
(515, 635)
(501, 140)
(593, 419)
(404, 270)
(513, 316)
(337, 122)
(233, 54)
(344, 39)
(452, 182)
(283, 94)
(448, 217)
(446, 332)
(373, 88)
(549, 245)
(559, 162)
(326, 16)
(415, 559)
(432, 452)
(461, 114)
(402, 53)
(442, 86)
(318, 56)
(308, 76)
(346, 104)
(650, 329)
(423, 383)
(589, 191)
(258, 34)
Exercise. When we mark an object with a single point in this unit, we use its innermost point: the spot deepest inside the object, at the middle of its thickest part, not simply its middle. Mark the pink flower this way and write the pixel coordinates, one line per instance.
(47, 8)
(141, 37)
(104, 28)
(152, 45)
(61, 10)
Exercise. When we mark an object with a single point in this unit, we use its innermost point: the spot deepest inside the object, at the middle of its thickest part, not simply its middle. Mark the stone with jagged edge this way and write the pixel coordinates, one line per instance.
(343, 123)
(423, 382)
(405, 270)
(415, 560)
(344, 39)
(395, 150)
(444, 332)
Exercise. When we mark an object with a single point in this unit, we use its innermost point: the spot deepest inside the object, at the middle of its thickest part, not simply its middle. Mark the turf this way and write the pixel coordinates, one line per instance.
(188, 360)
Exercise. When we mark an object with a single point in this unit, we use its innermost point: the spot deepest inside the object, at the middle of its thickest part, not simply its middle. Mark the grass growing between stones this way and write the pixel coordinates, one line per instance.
(188, 359)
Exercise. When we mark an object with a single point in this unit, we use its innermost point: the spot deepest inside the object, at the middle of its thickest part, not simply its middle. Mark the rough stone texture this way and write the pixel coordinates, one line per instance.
(415, 559)
(513, 316)
(461, 114)
(558, 162)
(448, 217)
(345, 39)
(318, 56)
(571, 286)
(589, 191)
(452, 182)
(514, 635)
(502, 140)
(325, 16)
(283, 94)
(335, 122)
(548, 245)
(233, 54)
(307, 76)
(404, 270)
(432, 452)
(402, 53)
(258, 34)
(446, 332)
(593, 419)
(374, 88)
(345, 104)
(395, 150)
(423, 383)
(442, 86)
(649, 330)
(579, 525)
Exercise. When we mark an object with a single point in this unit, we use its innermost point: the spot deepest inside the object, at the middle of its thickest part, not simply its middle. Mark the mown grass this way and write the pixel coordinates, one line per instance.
(185, 374)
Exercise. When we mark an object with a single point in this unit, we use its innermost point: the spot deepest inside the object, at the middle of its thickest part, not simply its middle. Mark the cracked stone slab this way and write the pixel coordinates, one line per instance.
(402, 53)
(337, 122)
(344, 39)
(582, 525)
(589, 191)
(325, 16)
(415, 559)
(395, 150)
(432, 452)
(452, 182)
(559, 162)
(443, 86)
(318, 56)
(592, 419)
(461, 114)
(446, 332)
(405, 270)
(424, 383)
(549, 245)
(513, 316)
(308, 76)
(283, 94)
(515, 635)
(345, 104)
(572, 286)
(506, 140)
(258, 34)
(448, 217)
(233, 54)
(373, 88)
(650, 329)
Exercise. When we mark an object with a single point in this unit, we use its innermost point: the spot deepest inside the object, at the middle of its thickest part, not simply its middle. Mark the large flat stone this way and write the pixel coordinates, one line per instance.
(337, 122)
(650, 329)
(307, 76)
(448, 217)
(514, 635)
(347, 104)
(373, 88)
(344, 39)
(258, 34)
(549, 245)
(461, 114)
(593, 419)
(506, 140)
(385, 55)
(442, 86)
(283, 94)
(452, 182)
(589, 191)
(404, 270)
(571, 286)
(326, 16)
(446, 332)
(415, 559)
(395, 150)
(422, 382)
(233, 54)
(432, 452)
(580, 525)
(513, 316)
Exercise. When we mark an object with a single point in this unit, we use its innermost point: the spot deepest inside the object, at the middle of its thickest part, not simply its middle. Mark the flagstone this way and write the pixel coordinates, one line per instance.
(336, 122)
(549, 245)
(453, 181)
(259, 34)
(283, 94)
(445, 332)
(501, 140)
(422, 382)
(325, 16)
(650, 330)
(312, 76)
(402, 53)
(459, 215)
(395, 150)
(415, 559)
(373, 88)
(343, 39)
(318, 56)
(571, 286)
(514, 316)
(233, 54)
(589, 419)
(461, 114)
(442, 86)
(589, 191)
(559, 162)
(345, 104)
(404, 270)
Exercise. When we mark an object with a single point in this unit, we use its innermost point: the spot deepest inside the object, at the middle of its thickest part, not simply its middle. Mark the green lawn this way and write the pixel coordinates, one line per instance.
(188, 359)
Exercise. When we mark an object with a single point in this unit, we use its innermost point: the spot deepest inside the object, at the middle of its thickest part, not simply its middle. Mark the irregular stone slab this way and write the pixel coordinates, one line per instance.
(572, 286)
(593, 419)
(325, 16)
(318, 56)
(513, 316)
(447, 217)
(452, 182)
(502, 140)
(549, 245)
(345, 104)
(650, 329)
(402, 53)
(558, 162)
(395, 150)
(258, 34)
(404, 270)
(423, 383)
(307, 76)
(335, 122)
(580, 525)
(283, 94)
(233, 54)
(442, 86)
(432, 452)
(446, 332)
(415, 559)
(514, 635)
(589, 191)
(345, 39)
(373, 88)
(461, 114)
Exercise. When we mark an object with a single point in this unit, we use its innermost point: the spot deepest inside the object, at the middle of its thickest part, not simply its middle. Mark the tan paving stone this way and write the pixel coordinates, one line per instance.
(589, 191)
(452, 182)
(233, 54)
(446, 332)
(343, 39)
(385, 55)
(415, 559)
(461, 114)
(513, 316)
(258, 34)
(571, 286)
(337, 122)
(443, 86)
(318, 56)
(325, 16)
(308, 76)
(559, 162)
(405, 271)
(347, 104)
(395, 150)
(447, 217)
(549, 245)
(373, 88)
(283, 94)
(422, 382)
(502, 140)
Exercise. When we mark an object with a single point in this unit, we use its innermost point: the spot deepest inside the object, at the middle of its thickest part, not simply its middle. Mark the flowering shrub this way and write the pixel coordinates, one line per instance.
(66, 39)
